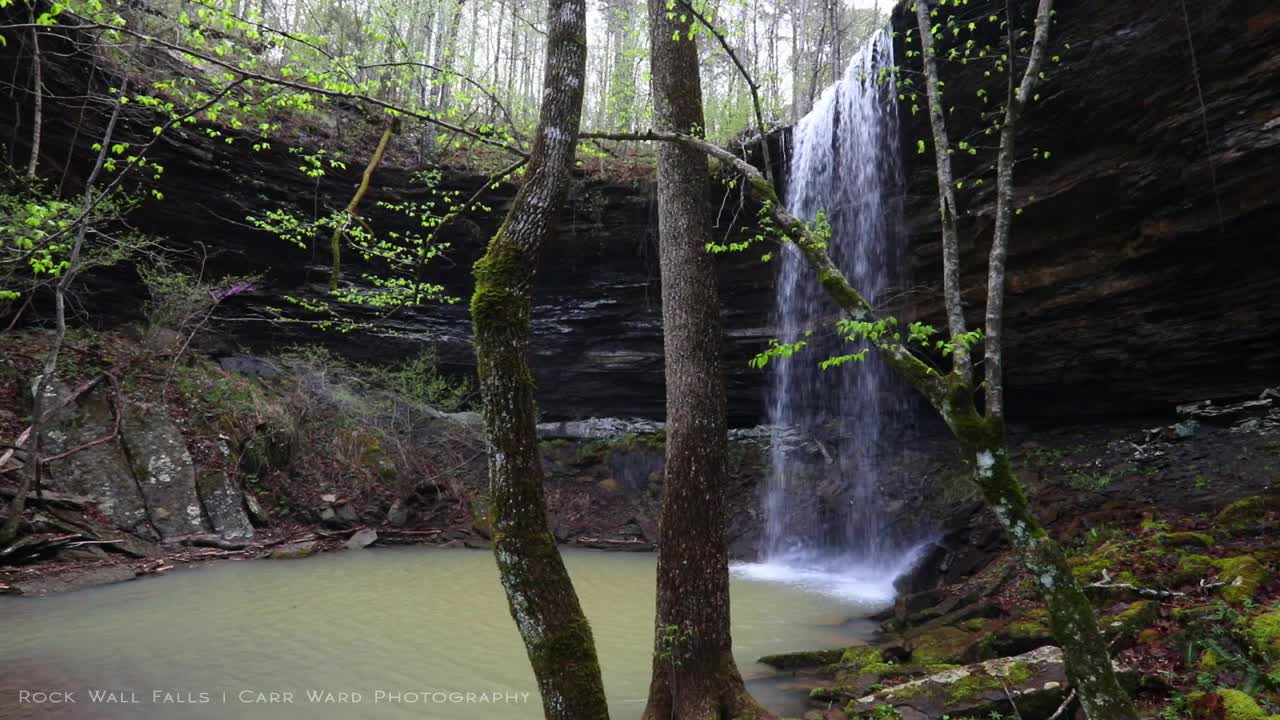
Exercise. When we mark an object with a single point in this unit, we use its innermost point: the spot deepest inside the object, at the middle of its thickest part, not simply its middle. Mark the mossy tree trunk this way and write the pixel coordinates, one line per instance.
(543, 603)
(1071, 617)
(694, 674)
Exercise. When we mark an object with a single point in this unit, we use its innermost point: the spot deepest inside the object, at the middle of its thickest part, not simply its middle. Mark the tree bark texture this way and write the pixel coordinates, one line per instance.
(541, 596)
(694, 674)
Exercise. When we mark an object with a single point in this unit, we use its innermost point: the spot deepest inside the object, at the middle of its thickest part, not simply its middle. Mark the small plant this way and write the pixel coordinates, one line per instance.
(1043, 457)
(1201, 482)
(1176, 709)
(886, 712)
(419, 379)
(1091, 480)
(672, 640)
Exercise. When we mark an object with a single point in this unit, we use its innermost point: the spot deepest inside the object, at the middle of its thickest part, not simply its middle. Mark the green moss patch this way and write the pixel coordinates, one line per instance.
(1241, 513)
(945, 645)
(1264, 634)
(1243, 575)
(1184, 539)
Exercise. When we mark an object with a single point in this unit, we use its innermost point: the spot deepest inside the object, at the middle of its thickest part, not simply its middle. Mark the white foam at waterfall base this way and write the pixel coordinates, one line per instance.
(863, 584)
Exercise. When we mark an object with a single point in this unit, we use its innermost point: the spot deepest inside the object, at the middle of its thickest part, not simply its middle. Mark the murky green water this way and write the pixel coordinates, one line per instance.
(231, 640)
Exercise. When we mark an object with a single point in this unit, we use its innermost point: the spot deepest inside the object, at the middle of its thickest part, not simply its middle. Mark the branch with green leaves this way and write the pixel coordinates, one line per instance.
(811, 241)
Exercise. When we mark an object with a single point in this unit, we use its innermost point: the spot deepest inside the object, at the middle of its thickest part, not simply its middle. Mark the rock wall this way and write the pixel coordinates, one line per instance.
(1141, 275)
(1144, 270)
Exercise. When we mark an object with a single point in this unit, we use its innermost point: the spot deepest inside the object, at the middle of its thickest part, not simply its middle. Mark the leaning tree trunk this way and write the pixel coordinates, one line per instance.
(694, 674)
(1071, 618)
(543, 603)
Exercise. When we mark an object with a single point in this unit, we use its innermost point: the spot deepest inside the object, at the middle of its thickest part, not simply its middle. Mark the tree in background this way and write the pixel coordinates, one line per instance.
(543, 602)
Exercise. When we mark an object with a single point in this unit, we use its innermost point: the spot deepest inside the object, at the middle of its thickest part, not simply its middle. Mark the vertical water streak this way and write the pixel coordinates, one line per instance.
(845, 164)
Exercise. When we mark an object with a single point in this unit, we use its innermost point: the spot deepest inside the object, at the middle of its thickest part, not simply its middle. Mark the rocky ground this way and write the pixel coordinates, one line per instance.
(1172, 531)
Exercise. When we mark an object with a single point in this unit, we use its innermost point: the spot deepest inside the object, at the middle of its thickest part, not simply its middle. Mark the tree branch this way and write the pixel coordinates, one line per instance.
(947, 208)
(751, 85)
(1016, 102)
(915, 371)
(304, 87)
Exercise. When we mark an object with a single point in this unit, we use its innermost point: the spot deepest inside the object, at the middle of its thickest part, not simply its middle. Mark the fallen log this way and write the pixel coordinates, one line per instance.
(209, 541)
(608, 544)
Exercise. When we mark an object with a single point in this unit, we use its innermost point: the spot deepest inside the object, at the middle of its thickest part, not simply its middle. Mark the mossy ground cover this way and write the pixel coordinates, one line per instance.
(1208, 627)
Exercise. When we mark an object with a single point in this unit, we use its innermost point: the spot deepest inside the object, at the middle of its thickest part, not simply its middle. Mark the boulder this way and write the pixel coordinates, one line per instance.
(101, 471)
(224, 504)
(398, 514)
(346, 513)
(362, 539)
(164, 470)
(257, 513)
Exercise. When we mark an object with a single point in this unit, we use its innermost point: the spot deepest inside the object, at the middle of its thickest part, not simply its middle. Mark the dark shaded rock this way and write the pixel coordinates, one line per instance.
(101, 471)
(164, 470)
(249, 365)
(1096, 297)
(1109, 264)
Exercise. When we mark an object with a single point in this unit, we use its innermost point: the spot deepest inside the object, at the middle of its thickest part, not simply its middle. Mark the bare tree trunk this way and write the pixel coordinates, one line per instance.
(543, 603)
(1018, 97)
(31, 478)
(37, 90)
(947, 209)
(694, 673)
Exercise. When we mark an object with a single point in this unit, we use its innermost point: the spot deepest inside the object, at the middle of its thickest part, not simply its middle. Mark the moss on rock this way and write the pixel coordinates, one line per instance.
(1241, 512)
(803, 659)
(1192, 568)
(1264, 634)
(860, 656)
(1239, 706)
(1184, 539)
(1122, 629)
(945, 645)
(1243, 575)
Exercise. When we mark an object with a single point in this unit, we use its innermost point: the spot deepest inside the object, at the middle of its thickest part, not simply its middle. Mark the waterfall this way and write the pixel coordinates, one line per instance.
(844, 162)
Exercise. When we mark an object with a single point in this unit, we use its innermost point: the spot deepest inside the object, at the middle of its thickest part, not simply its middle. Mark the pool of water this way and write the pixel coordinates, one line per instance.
(387, 633)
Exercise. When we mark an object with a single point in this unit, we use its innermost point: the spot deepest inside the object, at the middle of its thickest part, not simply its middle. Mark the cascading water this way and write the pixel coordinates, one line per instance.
(845, 164)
